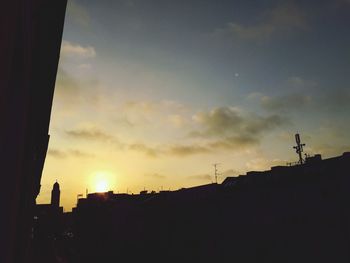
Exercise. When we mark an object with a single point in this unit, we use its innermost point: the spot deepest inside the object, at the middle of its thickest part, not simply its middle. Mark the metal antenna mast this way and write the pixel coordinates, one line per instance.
(216, 172)
(299, 148)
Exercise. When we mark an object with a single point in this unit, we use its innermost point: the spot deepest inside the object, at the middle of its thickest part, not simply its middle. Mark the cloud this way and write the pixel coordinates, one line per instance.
(85, 66)
(286, 102)
(78, 13)
(140, 147)
(156, 176)
(80, 154)
(281, 19)
(336, 100)
(177, 120)
(228, 128)
(90, 134)
(229, 172)
(69, 49)
(185, 150)
(300, 83)
(234, 125)
(201, 177)
(222, 128)
(238, 142)
(328, 149)
(64, 154)
(67, 87)
(177, 150)
(57, 153)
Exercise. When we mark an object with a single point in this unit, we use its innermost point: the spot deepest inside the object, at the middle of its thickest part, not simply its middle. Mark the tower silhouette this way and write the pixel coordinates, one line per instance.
(55, 195)
(299, 148)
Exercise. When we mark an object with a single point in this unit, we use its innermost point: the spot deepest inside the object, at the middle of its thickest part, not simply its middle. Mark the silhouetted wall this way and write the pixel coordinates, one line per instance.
(30, 33)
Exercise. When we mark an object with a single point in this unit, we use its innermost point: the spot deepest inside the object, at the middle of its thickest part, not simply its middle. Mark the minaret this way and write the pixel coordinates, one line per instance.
(55, 195)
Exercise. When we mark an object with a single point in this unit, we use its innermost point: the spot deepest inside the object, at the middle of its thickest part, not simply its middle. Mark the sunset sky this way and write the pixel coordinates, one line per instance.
(150, 93)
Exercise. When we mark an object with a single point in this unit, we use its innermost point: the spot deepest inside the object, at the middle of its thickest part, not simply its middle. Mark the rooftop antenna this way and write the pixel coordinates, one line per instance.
(216, 172)
(299, 148)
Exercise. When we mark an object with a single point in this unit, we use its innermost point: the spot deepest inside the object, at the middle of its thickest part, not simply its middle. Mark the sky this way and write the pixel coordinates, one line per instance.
(150, 94)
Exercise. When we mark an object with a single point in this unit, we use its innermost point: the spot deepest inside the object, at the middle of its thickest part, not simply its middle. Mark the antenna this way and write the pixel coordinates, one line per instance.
(299, 148)
(216, 172)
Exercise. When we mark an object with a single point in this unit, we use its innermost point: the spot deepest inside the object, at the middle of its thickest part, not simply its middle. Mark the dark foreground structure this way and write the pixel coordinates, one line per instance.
(30, 33)
(287, 214)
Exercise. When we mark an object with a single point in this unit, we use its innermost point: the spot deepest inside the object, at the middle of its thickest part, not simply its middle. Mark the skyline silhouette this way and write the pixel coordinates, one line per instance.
(295, 213)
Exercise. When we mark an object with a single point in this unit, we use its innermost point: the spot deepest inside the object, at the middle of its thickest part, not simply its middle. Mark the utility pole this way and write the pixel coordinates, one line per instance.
(216, 172)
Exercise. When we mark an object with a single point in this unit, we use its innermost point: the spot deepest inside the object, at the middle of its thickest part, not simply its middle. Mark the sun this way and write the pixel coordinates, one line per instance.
(102, 181)
(101, 186)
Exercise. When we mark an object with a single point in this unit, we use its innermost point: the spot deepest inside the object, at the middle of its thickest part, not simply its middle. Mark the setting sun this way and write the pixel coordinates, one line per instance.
(102, 182)
(101, 186)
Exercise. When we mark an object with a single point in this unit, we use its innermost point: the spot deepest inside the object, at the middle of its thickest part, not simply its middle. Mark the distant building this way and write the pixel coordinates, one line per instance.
(313, 165)
(48, 217)
(55, 195)
(286, 214)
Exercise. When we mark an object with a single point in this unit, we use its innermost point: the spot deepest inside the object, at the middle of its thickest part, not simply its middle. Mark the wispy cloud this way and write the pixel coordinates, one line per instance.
(185, 150)
(62, 154)
(177, 150)
(328, 150)
(57, 153)
(155, 175)
(78, 13)
(201, 177)
(286, 102)
(336, 100)
(89, 134)
(67, 87)
(300, 83)
(229, 172)
(140, 147)
(281, 19)
(70, 49)
(80, 154)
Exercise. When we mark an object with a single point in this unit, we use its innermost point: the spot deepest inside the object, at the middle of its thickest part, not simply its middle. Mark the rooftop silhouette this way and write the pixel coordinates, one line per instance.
(286, 214)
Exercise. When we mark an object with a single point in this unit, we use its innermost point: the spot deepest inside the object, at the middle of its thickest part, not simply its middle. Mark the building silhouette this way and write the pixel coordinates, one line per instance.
(55, 195)
(48, 228)
(286, 214)
(31, 34)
